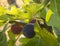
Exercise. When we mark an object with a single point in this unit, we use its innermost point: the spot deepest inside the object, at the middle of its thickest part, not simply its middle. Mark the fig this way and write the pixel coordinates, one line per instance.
(28, 30)
(16, 28)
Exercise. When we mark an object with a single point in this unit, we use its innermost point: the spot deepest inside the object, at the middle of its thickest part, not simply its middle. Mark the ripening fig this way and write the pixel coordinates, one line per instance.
(16, 28)
(28, 30)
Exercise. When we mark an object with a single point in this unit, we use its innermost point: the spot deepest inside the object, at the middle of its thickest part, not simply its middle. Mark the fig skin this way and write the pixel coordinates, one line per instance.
(28, 30)
(16, 28)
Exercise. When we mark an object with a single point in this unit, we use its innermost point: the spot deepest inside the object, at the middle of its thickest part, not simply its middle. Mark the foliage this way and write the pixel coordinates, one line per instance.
(45, 12)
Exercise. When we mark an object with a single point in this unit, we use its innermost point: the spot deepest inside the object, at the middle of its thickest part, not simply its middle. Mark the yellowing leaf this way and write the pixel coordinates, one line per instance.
(48, 15)
(26, 20)
(24, 16)
(26, 1)
(14, 10)
(1, 20)
(7, 11)
(2, 10)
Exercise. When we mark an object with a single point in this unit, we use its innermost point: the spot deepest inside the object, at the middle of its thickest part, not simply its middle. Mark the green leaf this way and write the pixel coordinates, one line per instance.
(57, 33)
(24, 40)
(55, 18)
(24, 15)
(11, 35)
(33, 8)
(6, 17)
(3, 39)
(12, 38)
(36, 41)
(1, 23)
(47, 37)
(33, 42)
(42, 13)
(11, 43)
(46, 2)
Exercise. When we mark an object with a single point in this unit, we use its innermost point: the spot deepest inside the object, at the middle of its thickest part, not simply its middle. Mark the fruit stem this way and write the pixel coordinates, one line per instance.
(17, 38)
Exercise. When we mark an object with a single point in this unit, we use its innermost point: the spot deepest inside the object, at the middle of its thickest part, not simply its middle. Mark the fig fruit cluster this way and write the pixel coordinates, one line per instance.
(27, 29)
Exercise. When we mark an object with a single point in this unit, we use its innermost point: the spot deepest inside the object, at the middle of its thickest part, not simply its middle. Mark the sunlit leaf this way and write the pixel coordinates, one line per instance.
(48, 38)
(2, 10)
(24, 16)
(14, 10)
(26, 1)
(48, 15)
(33, 8)
(55, 18)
